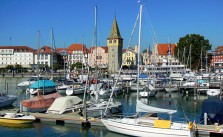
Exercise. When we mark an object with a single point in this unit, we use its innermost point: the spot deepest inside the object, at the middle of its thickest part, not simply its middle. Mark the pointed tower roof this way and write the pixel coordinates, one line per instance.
(115, 33)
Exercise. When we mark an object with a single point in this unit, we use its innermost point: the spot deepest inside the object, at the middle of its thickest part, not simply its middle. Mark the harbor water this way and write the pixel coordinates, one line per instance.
(187, 109)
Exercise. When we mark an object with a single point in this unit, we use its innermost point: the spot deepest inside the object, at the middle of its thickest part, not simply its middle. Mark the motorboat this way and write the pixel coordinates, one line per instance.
(63, 85)
(7, 100)
(65, 104)
(148, 92)
(75, 89)
(40, 103)
(213, 92)
(103, 108)
(16, 118)
(45, 87)
(25, 84)
(175, 76)
(106, 89)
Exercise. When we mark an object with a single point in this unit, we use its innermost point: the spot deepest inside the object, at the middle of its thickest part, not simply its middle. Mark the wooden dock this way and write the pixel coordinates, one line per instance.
(74, 118)
(68, 118)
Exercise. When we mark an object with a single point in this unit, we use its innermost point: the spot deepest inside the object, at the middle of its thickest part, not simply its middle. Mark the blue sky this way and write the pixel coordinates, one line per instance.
(73, 21)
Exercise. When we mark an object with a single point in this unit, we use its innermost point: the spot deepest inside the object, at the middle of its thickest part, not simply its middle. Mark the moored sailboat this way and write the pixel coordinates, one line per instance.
(148, 126)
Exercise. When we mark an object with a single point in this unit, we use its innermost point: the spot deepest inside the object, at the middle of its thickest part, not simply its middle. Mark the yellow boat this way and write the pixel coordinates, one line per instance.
(16, 118)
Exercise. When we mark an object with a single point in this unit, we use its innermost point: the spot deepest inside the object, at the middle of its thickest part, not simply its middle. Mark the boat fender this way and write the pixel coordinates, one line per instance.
(190, 125)
(92, 119)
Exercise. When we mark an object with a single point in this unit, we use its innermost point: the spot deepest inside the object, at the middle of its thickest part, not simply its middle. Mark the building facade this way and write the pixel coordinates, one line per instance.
(146, 57)
(129, 57)
(115, 45)
(163, 54)
(77, 53)
(217, 59)
(45, 56)
(98, 56)
(12, 55)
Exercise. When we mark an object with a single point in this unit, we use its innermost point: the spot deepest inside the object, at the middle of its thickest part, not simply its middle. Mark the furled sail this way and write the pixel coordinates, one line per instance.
(141, 107)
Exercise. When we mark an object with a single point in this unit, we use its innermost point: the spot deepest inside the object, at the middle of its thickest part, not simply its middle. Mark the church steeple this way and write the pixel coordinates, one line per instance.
(115, 33)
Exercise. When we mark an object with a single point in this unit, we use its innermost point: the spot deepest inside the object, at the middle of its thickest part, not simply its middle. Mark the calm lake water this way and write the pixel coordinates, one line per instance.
(185, 105)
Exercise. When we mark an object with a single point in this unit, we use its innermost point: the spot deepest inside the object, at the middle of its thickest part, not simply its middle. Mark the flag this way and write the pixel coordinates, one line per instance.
(194, 124)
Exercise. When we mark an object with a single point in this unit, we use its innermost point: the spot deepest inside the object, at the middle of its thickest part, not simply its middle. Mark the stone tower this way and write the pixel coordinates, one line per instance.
(115, 45)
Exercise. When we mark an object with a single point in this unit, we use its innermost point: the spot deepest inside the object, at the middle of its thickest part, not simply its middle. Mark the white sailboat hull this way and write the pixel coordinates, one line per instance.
(133, 128)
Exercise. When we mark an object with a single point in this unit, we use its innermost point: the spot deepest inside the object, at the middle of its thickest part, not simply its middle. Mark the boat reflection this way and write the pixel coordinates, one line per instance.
(10, 125)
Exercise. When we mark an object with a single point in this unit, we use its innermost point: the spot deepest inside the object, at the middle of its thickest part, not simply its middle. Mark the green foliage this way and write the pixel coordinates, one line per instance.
(18, 66)
(198, 44)
(56, 66)
(9, 67)
(77, 65)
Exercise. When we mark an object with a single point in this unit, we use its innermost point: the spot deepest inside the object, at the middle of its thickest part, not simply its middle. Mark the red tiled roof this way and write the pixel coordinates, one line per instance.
(18, 48)
(45, 50)
(126, 50)
(164, 48)
(219, 49)
(104, 47)
(77, 47)
(61, 49)
(91, 49)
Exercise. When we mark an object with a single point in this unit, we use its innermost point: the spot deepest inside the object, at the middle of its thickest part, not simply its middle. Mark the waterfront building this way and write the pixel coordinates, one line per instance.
(63, 57)
(77, 53)
(46, 56)
(164, 54)
(98, 56)
(163, 61)
(146, 54)
(115, 45)
(12, 55)
(129, 57)
(217, 59)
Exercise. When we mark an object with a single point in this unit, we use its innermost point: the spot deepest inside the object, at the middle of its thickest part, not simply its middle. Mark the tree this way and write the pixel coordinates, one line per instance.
(77, 65)
(18, 68)
(198, 45)
(56, 67)
(10, 67)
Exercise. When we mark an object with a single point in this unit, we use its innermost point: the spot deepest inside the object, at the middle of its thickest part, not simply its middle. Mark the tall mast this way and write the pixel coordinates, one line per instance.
(38, 55)
(95, 36)
(206, 57)
(52, 48)
(201, 60)
(190, 56)
(139, 44)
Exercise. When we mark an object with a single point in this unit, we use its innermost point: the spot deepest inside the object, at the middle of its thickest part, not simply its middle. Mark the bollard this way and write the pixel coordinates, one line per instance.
(20, 107)
(205, 118)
